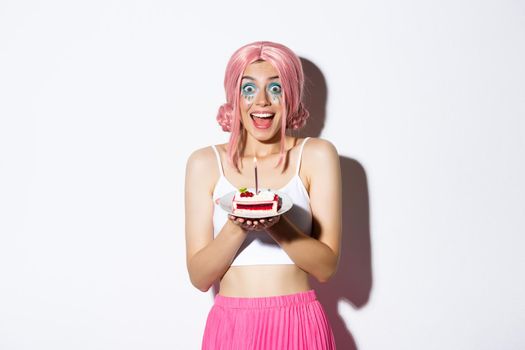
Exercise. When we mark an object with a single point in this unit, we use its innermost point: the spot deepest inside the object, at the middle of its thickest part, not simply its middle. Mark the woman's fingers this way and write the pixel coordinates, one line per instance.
(254, 224)
(236, 220)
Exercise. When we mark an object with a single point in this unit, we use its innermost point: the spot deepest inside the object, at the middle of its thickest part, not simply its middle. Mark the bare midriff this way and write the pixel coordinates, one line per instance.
(263, 281)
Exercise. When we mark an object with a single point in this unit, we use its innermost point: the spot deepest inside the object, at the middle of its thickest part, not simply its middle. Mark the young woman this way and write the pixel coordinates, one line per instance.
(265, 300)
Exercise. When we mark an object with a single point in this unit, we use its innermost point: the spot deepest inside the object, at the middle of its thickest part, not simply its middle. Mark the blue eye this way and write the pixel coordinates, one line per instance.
(248, 89)
(275, 88)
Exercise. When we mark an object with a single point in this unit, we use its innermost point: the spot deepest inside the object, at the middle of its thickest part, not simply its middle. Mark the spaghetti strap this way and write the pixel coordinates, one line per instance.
(300, 156)
(219, 163)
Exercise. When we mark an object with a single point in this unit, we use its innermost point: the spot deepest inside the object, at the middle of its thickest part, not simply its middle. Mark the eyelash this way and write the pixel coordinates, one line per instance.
(275, 92)
(252, 93)
(249, 93)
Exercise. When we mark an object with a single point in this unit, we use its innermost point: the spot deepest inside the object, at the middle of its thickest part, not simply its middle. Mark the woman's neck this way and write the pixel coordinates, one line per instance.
(261, 149)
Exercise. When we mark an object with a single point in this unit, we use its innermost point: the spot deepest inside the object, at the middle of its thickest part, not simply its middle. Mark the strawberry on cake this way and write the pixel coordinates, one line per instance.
(265, 202)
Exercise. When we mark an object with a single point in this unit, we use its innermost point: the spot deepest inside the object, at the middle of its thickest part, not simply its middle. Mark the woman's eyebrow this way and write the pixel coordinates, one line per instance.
(270, 78)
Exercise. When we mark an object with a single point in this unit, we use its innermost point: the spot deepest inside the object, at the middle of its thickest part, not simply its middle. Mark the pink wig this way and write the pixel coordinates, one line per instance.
(292, 80)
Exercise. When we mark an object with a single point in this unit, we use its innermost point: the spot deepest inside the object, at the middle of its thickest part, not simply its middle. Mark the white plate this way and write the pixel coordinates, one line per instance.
(225, 203)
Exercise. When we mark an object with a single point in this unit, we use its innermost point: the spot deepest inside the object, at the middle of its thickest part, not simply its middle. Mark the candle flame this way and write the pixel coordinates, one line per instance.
(255, 160)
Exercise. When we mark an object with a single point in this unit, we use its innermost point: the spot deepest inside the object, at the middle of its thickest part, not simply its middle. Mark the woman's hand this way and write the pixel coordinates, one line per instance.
(254, 224)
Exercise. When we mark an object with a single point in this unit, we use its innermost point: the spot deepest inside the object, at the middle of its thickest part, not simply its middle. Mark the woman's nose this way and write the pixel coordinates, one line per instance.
(262, 98)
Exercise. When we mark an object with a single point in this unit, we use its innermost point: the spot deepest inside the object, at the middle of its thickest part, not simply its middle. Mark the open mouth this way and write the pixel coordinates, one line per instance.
(262, 120)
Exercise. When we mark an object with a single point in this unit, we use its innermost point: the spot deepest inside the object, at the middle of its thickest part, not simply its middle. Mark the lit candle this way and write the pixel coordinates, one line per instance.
(256, 181)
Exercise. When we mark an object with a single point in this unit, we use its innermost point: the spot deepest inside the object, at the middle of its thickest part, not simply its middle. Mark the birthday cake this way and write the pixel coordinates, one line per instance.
(264, 202)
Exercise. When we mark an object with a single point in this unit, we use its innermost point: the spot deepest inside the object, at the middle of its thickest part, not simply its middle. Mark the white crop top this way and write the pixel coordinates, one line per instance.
(259, 248)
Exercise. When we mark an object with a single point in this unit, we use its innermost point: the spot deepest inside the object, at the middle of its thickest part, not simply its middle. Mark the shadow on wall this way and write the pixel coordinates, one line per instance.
(353, 281)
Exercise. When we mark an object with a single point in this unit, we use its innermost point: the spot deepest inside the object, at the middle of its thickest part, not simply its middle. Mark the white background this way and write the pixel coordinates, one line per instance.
(101, 103)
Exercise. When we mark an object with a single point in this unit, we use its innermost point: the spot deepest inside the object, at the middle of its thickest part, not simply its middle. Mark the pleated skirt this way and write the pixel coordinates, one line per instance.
(285, 322)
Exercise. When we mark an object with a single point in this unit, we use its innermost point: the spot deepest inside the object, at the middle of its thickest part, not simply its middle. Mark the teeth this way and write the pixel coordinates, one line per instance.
(262, 115)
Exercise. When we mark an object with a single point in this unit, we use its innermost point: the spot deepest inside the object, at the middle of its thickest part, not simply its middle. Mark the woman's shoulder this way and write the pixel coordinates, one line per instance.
(320, 160)
(317, 148)
(207, 152)
(203, 158)
(318, 154)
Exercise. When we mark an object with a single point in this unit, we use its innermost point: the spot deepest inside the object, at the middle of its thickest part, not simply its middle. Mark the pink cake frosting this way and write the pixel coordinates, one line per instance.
(264, 202)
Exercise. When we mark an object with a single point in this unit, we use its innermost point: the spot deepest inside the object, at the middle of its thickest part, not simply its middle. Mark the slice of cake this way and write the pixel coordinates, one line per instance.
(266, 202)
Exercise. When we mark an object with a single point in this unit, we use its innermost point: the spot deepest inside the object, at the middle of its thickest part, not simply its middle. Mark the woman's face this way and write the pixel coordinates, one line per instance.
(261, 100)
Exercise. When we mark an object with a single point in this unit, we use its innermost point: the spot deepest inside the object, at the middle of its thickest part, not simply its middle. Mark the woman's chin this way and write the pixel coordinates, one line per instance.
(265, 135)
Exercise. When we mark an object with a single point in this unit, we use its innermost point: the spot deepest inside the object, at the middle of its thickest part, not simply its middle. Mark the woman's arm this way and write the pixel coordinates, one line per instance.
(319, 257)
(207, 259)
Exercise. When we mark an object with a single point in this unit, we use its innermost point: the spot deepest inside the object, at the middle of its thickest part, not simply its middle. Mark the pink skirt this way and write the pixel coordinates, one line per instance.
(293, 321)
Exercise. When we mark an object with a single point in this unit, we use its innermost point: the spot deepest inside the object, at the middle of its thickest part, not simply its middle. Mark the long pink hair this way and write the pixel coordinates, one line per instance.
(291, 75)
